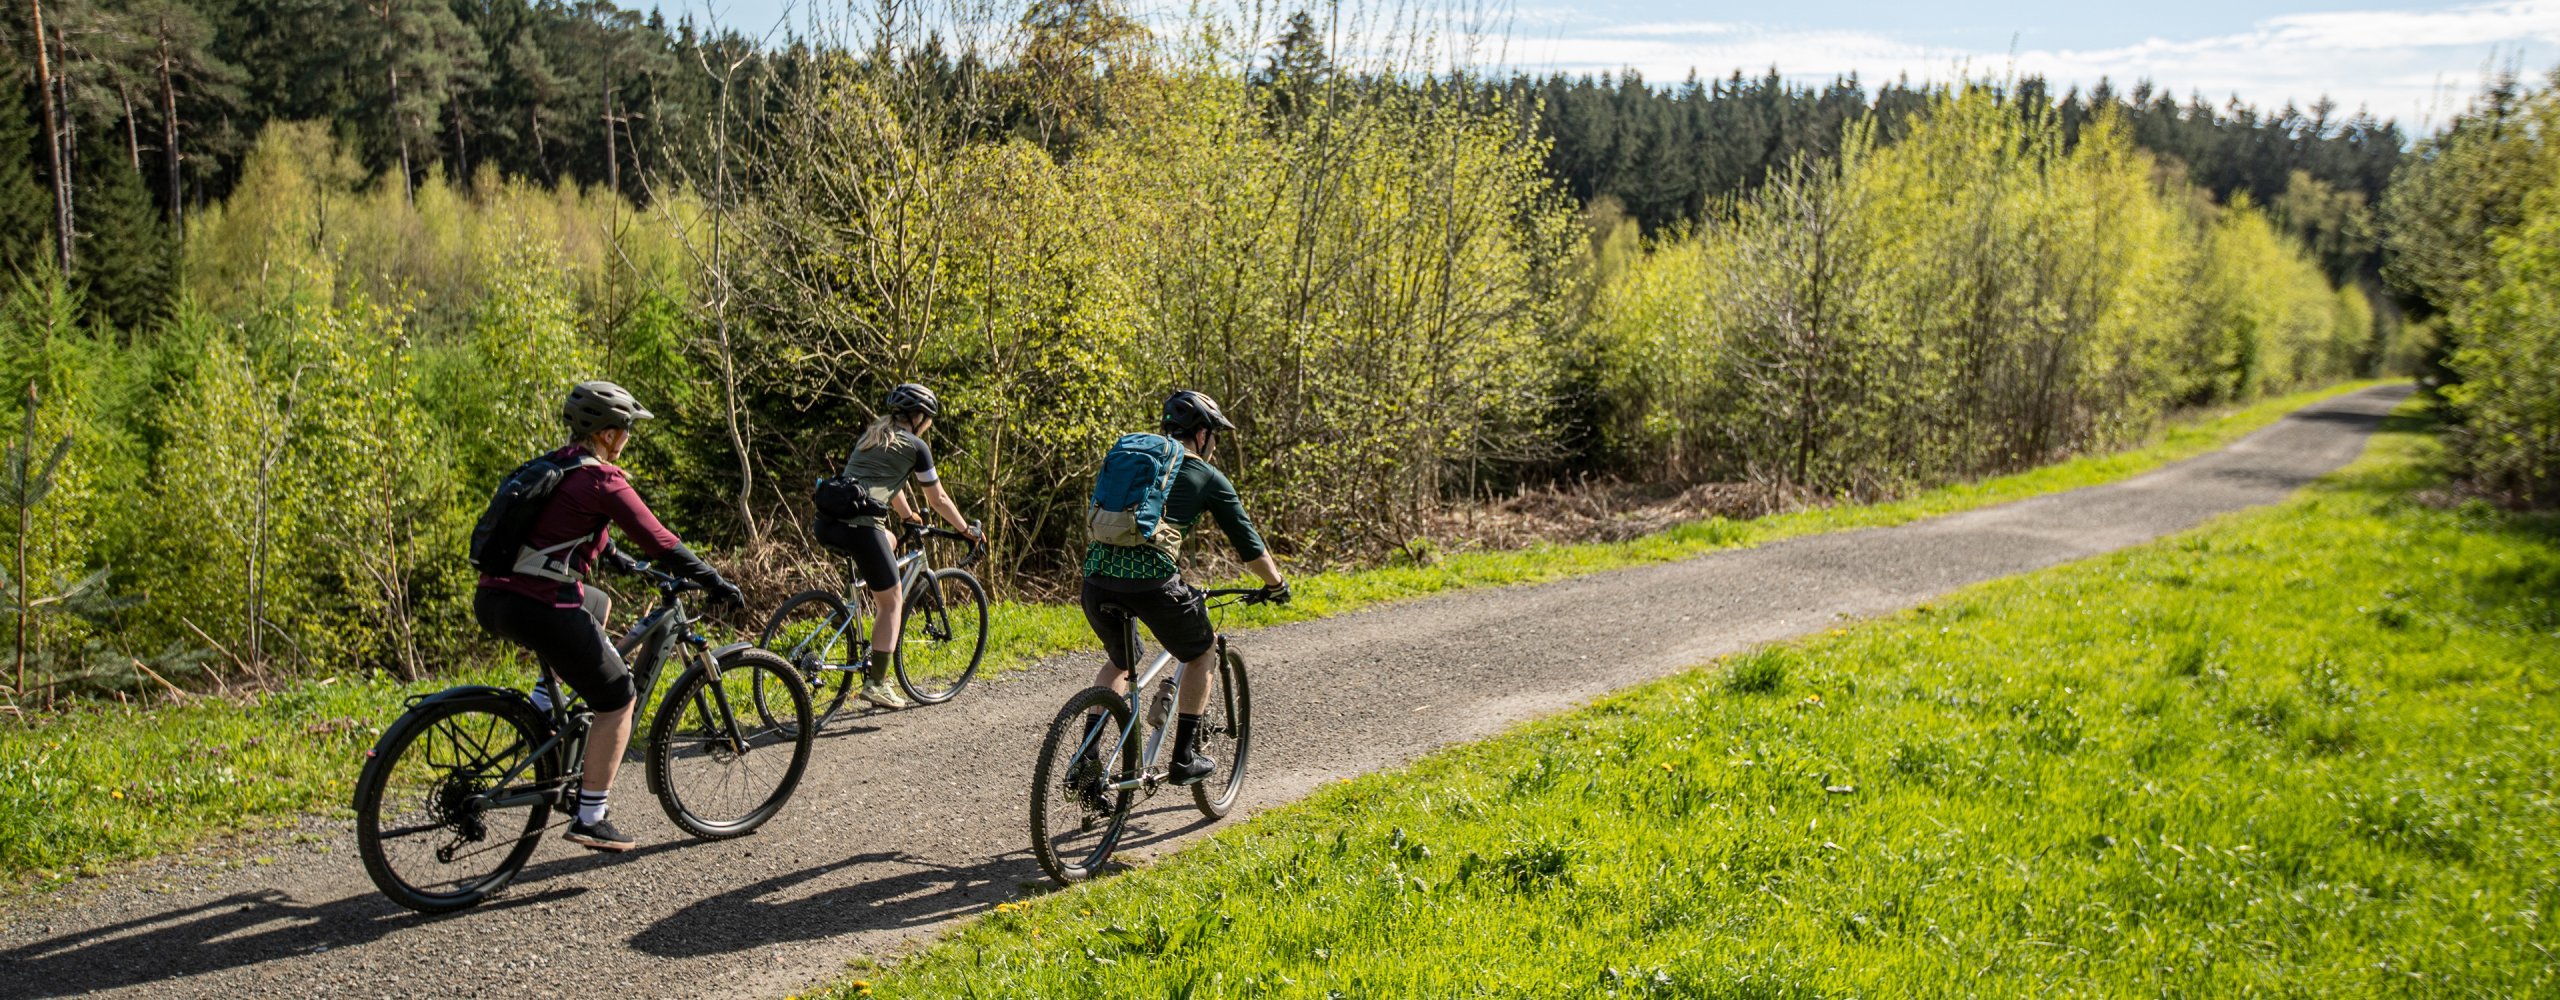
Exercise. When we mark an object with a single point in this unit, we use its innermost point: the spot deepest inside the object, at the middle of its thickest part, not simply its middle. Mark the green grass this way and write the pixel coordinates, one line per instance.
(88, 788)
(2306, 750)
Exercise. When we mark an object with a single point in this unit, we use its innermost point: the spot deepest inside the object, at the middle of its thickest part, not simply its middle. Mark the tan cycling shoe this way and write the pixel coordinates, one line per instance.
(885, 696)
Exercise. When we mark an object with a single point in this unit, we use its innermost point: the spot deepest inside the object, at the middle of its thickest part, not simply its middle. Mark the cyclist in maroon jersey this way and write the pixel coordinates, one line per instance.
(544, 607)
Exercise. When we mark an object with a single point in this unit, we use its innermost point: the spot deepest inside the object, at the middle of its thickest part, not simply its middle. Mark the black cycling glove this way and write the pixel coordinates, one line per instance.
(1276, 593)
(617, 560)
(683, 563)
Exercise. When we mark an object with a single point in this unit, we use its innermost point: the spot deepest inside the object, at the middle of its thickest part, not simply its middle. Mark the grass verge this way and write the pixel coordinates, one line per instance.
(2305, 750)
(85, 789)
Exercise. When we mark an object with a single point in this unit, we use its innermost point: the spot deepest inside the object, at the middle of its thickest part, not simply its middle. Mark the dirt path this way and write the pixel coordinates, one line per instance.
(909, 822)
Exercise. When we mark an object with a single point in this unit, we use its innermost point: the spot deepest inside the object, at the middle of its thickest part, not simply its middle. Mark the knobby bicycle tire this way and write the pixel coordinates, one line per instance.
(1226, 735)
(692, 734)
(1062, 816)
(441, 821)
(945, 620)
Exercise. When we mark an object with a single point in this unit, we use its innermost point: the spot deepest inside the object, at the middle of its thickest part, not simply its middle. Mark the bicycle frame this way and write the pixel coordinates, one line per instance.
(1140, 682)
(663, 630)
(913, 566)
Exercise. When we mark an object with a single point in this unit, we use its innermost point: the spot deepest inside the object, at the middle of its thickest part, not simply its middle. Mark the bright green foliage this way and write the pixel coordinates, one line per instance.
(1374, 288)
(1977, 297)
(2300, 749)
(2476, 230)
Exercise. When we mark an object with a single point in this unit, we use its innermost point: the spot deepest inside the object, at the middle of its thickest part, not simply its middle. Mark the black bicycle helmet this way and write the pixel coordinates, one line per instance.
(600, 406)
(1189, 410)
(912, 398)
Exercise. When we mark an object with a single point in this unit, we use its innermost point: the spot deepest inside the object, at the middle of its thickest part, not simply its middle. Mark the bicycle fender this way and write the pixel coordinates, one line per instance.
(468, 691)
(724, 652)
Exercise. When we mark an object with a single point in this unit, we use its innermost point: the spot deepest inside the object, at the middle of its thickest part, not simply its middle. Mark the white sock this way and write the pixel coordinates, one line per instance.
(590, 807)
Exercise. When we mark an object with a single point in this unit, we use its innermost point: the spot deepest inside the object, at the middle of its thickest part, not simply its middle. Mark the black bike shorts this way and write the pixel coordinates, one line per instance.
(1176, 612)
(570, 642)
(873, 552)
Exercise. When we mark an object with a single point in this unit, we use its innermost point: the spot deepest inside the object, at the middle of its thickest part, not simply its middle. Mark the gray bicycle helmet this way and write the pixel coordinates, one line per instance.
(912, 398)
(599, 406)
(1189, 410)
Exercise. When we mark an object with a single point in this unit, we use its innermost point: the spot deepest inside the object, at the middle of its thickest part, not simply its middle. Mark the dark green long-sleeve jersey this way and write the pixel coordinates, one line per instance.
(1198, 487)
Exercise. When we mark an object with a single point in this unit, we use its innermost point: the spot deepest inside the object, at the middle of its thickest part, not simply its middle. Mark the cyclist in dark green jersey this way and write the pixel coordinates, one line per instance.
(1147, 580)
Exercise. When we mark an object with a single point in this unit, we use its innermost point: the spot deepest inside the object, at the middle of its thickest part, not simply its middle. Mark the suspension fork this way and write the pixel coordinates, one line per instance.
(719, 696)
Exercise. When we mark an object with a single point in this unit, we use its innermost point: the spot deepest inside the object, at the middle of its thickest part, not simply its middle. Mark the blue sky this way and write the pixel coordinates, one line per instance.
(2411, 60)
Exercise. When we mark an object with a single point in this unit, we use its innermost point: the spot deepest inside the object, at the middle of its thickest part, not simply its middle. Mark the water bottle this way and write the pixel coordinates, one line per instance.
(1162, 705)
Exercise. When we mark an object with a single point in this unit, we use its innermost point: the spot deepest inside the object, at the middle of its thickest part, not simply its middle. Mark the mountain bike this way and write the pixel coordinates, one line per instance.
(941, 640)
(1087, 777)
(456, 794)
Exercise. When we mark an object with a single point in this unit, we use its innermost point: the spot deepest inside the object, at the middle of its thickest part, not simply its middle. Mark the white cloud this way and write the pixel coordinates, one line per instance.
(2414, 65)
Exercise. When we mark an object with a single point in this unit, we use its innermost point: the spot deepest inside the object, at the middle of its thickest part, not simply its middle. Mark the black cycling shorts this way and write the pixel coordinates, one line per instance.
(570, 642)
(874, 553)
(1176, 612)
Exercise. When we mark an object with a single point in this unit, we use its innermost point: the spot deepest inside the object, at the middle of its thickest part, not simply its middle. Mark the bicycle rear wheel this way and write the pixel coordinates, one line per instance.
(820, 635)
(428, 836)
(722, 764)
(1075, 820)
(1226, 734)
(943, 637)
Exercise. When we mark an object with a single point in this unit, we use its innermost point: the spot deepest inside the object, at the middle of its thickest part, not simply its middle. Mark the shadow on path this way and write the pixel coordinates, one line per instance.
(250, 928)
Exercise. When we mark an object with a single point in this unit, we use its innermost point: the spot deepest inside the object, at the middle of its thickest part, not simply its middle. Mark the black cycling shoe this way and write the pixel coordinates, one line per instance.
(599, 836)
(1189, 772)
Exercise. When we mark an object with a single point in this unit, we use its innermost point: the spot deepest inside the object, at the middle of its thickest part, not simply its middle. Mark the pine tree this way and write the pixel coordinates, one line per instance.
(26, 208)
(127, 263)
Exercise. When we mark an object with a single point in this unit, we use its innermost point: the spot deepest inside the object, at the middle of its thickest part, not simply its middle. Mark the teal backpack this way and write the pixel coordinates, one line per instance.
(1129, 494)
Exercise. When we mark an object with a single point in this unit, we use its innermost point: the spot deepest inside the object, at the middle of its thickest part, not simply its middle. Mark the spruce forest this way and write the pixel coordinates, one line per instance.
(292, 283)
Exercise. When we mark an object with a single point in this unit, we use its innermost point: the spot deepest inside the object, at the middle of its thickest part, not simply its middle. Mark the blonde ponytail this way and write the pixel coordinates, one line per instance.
(881, 434)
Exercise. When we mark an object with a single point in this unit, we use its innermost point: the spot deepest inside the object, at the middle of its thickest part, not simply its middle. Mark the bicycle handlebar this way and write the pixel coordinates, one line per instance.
(1247, 595)
(667, 583)
(977, 549)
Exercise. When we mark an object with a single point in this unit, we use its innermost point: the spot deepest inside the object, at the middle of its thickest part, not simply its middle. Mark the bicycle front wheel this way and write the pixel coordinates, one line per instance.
(820, 635)
(1226, 734)
(1076, 818)
(429, 835)
(944, 636)
(721, 762)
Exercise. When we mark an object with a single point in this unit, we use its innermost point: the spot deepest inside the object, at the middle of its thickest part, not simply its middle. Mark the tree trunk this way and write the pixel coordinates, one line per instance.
(132, 132)
(612, 159)
(169, 134)
(53, 140)
(399, 128)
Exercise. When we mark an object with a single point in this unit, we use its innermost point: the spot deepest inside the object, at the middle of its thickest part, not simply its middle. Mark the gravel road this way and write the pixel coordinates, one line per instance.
(910, 822)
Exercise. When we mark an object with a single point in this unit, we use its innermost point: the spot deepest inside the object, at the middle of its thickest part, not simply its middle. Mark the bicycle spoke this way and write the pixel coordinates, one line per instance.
(428, 826)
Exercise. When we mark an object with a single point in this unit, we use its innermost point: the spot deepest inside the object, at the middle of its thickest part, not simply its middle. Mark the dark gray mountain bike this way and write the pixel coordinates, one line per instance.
(941, 640)
(1087, 778)
(455, 796)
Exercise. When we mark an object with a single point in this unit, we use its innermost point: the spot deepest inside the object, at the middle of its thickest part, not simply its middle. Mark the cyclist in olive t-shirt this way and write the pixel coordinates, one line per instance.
(1147, 582)
(889, 454)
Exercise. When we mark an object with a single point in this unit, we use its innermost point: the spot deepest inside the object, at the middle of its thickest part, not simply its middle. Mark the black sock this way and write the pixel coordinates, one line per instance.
(877, 672)
(1186, 736)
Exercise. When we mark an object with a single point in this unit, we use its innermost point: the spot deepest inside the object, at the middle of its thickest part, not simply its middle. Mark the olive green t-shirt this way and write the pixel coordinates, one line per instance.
(884, 470)
(1198, 487)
